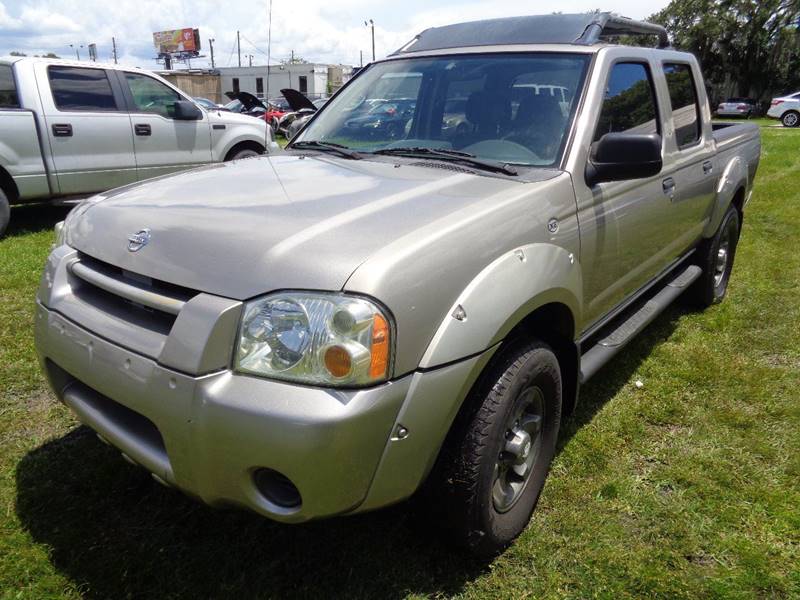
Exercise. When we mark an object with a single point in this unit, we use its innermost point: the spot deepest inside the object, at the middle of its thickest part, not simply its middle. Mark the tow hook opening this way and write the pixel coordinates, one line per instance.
(277, 488)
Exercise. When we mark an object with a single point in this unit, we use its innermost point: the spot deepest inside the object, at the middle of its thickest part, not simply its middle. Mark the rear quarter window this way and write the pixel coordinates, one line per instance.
(8, 88)
(75, 88)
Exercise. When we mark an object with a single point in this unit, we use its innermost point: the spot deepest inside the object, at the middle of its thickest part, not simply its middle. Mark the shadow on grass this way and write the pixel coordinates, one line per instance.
(116, 533)
(32, 218)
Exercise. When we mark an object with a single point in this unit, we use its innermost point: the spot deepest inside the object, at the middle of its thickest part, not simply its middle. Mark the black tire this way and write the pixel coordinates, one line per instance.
(244, 152)
(712, 285)
(791, 118)
(5, 213)
(467, 491)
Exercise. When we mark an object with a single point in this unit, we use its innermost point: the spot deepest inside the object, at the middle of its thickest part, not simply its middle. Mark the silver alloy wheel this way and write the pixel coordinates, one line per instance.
(723, 253)
(246, 153)
(791, 119)
(523, 443)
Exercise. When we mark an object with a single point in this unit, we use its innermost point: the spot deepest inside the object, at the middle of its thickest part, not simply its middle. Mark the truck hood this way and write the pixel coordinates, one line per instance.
(244, 228)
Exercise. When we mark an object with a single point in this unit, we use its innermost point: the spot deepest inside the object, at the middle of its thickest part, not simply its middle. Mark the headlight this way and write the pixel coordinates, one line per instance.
(315, 338)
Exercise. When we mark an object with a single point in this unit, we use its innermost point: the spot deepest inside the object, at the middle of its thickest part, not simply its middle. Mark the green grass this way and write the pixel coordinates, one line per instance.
(688, 487)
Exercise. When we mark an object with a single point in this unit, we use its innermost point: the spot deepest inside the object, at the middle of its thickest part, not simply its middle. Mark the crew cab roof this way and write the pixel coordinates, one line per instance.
(583, 29)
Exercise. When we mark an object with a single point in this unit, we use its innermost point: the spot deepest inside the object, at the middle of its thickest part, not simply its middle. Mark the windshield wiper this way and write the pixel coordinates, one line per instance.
(327, 147)
(452, 155)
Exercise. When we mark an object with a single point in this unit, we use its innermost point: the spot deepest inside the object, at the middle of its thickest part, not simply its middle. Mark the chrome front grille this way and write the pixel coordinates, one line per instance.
(132, 289)
(133, 310)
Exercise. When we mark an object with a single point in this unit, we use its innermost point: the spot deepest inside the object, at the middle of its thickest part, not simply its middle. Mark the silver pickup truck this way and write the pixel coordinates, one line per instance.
(70, 129)
(383, 311)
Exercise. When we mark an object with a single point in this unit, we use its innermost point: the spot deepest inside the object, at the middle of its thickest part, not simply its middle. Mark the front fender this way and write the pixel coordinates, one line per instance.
(503, 294)
(734, 177)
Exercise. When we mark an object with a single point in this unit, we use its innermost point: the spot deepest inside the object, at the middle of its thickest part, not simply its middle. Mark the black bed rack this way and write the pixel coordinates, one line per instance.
(583, 29)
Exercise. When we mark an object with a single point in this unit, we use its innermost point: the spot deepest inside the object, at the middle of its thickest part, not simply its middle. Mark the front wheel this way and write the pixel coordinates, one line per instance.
(243, 153)
(495, 461)
(791, 119)
(715, 258)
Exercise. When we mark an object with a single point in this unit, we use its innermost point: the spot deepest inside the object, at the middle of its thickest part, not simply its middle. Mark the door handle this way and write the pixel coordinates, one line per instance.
(62, 130)
(668, 185)
(142, 129)
(708, 167)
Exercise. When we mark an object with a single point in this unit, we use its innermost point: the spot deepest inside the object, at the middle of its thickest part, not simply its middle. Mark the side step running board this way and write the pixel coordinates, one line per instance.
(606, 348)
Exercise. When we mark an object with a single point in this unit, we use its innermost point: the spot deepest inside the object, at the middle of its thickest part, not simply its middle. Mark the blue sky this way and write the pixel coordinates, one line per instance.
(322, 31)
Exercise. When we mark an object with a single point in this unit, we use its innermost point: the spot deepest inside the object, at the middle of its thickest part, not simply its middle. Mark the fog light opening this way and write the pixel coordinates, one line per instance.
(277, 488)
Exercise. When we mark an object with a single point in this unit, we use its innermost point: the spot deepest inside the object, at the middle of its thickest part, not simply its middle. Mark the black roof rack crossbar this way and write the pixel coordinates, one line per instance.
(608, 24)
(583, 29)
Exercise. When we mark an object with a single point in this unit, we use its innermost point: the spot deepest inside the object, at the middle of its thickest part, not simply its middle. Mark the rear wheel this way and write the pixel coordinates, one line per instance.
(715, 257)
(5, 213)
(495, 461)
(791, 119)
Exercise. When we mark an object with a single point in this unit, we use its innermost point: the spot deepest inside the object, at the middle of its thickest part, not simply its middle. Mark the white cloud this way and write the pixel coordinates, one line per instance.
(317, 30)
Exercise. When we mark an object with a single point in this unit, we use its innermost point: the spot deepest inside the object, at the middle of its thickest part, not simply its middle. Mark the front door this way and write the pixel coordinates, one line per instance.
(163, 144)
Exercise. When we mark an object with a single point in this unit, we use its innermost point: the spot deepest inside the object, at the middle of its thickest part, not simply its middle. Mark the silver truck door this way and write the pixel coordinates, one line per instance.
(626, 233)
(88, 130)
(163, 144)
(688, 153)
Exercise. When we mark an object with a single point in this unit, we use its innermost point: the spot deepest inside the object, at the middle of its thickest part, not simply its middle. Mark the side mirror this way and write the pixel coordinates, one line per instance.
(183, 110)
(621, 156)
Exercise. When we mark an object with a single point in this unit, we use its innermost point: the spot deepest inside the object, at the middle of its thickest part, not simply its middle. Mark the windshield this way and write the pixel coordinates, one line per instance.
(510, 108)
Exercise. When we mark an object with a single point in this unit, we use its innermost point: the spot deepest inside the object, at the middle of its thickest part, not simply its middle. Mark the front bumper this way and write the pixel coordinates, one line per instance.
(208, 435)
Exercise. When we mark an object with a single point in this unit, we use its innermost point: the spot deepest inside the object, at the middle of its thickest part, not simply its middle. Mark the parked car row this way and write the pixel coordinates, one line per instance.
(71, 129)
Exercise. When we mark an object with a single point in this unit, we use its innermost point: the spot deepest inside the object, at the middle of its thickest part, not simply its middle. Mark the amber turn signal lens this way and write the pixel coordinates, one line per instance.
(338, 361)
(380, 347)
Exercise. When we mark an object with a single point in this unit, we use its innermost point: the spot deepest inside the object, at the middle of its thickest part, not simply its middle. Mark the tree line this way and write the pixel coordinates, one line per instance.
(747, 48)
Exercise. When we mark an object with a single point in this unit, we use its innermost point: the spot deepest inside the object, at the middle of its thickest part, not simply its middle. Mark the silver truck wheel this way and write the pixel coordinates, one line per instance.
(791, 119)
(5, 213)
(496, 458)
(715, 257)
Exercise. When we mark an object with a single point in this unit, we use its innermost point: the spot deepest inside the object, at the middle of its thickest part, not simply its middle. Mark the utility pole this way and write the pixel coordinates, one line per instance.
(211, 47)
(371, 24)
(292, 62)
(77, 52)
(114, 49)
(269, 46)
(361, 57)
(239, 47)
(250, 56)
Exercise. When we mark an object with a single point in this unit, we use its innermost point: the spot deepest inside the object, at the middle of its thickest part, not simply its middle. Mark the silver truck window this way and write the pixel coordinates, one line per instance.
(8, 88)
(76, 88)
(684, 103)
(152, 96)
(512, 108)
(630, 102)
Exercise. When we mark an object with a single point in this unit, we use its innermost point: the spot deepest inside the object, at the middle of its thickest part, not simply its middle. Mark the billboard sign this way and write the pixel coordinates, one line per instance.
(177, 41)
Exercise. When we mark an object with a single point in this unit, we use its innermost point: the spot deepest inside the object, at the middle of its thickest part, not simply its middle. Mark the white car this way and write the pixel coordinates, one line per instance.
(787, 109)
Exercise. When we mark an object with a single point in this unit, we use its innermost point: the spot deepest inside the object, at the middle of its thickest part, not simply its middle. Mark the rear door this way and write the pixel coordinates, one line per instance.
(88, 129)
(162, 143)
(689, 154)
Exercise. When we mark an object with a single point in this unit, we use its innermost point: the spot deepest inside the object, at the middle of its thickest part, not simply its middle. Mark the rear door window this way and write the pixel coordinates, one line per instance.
(75, 88)
(630, 102)
(8, 89)
(685, 107)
